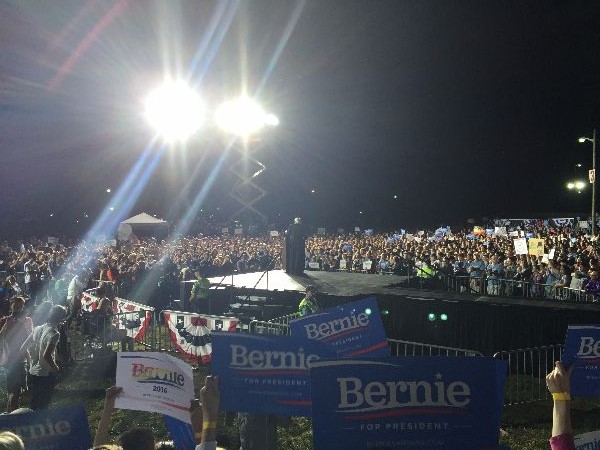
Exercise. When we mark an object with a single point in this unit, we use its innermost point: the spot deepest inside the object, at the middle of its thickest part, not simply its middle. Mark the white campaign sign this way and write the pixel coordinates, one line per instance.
(587, 440)
(155, 382)
(521, 246)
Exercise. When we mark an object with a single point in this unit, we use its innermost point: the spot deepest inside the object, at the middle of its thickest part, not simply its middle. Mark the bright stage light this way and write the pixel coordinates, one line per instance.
(243, 116)
(175, 110)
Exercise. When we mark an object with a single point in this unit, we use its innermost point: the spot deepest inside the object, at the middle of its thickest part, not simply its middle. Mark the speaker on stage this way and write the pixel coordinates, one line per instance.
(295, 253)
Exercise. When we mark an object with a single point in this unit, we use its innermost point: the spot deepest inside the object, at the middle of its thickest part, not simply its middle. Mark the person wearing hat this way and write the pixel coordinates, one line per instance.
(309, 305)
(200, 291)
(14, 330)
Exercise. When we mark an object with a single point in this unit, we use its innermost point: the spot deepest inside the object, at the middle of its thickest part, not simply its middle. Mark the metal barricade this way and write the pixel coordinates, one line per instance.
(527, 370)
(408, 348)
(285, 320)
(263, 327)
(501, 287)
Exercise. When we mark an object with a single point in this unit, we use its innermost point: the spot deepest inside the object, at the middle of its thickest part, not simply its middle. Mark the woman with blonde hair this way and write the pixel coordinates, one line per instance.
(10, 441)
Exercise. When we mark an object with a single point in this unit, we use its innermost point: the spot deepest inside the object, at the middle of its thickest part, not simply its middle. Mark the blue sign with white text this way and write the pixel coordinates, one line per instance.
(417, 403)
(51, 429)
(181, 433)
(353, 329)
(265, 374)
(582, 349)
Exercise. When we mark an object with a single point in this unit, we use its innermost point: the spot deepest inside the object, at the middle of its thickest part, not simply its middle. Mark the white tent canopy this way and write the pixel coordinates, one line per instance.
(143, 223)
(144, 219)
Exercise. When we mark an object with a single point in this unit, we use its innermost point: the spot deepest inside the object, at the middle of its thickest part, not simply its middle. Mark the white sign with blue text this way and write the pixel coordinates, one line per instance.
(155, 382)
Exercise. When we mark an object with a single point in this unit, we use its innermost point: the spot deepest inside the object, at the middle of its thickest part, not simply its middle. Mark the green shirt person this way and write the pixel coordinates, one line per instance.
(200, 289)
(309, 305)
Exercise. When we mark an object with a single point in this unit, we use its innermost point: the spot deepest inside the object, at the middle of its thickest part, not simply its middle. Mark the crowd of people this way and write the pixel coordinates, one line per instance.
(149, 271)
(53, 276)
(485, 264)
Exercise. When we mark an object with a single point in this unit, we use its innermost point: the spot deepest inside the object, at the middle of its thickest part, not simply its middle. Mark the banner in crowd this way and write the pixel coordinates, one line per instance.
(65, 427)
(525, 223)
(132, 317)
(408, 402)
(536, 247)
(353, 329)
(500, 231)
(265, 374)
(155, 382)
(190, 333)
(520, 246)
(89, 302)
(582, 349)
(587, 441)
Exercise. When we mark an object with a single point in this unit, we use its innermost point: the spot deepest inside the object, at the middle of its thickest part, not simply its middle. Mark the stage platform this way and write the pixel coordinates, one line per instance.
(482, 323)
(344, 284)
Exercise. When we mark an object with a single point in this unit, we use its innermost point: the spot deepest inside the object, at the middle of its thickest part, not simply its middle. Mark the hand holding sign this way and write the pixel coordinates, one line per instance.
(558, 380)
(211, 399)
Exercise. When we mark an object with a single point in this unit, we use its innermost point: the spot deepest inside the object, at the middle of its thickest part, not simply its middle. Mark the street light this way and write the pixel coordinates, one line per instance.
(578, 185)
(592, 177)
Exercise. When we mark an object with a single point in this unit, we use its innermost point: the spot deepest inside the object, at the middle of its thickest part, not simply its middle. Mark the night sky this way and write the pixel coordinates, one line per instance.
(397, 113)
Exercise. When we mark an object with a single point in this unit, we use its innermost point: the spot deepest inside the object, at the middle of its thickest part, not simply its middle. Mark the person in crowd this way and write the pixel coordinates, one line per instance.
(103, 317)
(242, 264)
(74, 292)
(10, 441)
(14, 330)
(31, 274)
(9, 289)
(476, 270)
(204, 415)
(558, 383)
(593, 285)
(200, 292)
(309, 304)
(42, 343)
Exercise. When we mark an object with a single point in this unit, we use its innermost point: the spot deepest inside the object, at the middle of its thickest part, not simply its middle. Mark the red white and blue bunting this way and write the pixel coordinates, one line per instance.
(130, 316)
(190, 333)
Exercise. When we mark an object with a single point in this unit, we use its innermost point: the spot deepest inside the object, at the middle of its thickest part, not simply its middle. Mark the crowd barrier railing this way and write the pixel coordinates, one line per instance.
(408, 348)
(264, 327)
(501, 287)
(285, 320)
(90, 334)
(527, 370)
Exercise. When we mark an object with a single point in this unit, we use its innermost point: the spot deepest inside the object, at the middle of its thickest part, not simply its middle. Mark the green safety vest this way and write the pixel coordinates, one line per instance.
(307, 307)
(200, 289)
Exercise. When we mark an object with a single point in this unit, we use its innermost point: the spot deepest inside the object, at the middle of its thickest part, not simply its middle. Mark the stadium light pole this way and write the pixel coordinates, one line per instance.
(592, 177)
(245, 119)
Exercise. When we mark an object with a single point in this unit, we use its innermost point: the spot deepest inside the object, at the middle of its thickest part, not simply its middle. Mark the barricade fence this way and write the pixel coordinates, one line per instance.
(408, 348)
(148, 330)
(527, 370)
(501, 287)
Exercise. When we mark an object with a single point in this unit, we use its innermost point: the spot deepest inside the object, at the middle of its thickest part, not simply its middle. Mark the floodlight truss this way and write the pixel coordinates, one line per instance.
(246, 190)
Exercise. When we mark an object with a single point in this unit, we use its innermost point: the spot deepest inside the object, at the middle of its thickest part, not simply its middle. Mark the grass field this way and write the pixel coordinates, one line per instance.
(524, 427)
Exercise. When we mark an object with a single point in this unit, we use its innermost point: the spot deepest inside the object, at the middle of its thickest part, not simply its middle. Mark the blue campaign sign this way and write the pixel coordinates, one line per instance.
(60, 428)
(353, 329)
(417, 403)
(582, 349)
(265, 374)
(181, 433)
